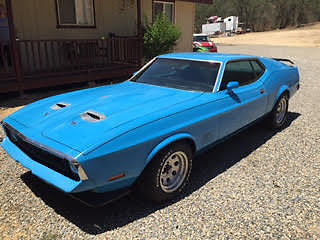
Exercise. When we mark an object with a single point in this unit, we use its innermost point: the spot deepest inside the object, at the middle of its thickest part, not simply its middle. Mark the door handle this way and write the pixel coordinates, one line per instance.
(262, 91)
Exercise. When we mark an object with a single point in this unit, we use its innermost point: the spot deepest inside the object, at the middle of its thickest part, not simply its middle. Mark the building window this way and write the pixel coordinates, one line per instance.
(75, 13)
(163, 7)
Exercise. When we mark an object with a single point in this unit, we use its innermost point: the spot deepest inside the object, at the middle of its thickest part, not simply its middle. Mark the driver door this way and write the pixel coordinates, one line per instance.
(244, 104)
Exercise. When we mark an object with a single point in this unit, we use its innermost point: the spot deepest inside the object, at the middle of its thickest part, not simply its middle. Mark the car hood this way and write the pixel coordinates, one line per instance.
(120, 104)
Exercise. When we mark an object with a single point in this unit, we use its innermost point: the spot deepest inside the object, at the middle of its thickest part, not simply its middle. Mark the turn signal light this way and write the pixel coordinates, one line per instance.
(116, 177)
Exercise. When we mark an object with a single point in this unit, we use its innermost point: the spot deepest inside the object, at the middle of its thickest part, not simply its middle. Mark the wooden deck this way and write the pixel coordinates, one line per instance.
(45, 63)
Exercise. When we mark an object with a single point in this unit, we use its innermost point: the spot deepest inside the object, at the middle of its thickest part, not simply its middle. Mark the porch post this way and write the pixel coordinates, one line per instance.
(14, 47)
(139, 31)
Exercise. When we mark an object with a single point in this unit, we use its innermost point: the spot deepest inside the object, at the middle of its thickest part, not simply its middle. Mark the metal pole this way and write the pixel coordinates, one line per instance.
(14, 47)
(139, 31)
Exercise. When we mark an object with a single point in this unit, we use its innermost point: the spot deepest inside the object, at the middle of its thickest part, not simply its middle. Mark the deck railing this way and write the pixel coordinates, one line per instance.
(6, 67)
(70, 60)
(54, 56)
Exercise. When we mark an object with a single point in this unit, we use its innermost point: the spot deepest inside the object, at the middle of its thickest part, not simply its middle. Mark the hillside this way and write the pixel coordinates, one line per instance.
(300, 37)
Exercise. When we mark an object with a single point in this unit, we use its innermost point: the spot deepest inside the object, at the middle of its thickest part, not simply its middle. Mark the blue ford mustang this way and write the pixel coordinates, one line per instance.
(144, 132)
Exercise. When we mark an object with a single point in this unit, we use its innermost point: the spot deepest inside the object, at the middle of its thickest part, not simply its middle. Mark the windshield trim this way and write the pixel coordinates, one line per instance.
(143, 68)
(186, 59)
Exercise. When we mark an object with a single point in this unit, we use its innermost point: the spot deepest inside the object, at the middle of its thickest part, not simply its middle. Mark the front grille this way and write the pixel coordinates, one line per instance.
(39, 154)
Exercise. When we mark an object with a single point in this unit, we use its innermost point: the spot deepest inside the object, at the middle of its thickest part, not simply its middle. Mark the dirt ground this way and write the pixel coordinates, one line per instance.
(308, 36)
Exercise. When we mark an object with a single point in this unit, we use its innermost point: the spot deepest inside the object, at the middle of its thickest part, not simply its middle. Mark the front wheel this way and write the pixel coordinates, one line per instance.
(167, 174)
(278, 115)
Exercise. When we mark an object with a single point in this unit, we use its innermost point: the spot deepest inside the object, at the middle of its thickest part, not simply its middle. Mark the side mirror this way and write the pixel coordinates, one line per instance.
(232, 85)
(135, 73)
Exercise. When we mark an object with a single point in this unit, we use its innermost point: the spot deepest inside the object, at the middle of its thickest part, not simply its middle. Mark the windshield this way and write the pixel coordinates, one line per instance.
(181, 74)
(201, 39)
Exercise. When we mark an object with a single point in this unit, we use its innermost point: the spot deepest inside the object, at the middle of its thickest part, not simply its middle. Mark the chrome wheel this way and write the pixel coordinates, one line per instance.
(281, 110)
(174, 172)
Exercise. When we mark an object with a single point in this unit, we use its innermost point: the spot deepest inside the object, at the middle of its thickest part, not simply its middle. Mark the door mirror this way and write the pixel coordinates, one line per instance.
(232, 85)
(135, 73)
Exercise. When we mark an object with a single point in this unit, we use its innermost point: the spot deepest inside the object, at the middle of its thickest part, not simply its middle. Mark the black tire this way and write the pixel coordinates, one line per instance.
(151, 184)
(274, 120)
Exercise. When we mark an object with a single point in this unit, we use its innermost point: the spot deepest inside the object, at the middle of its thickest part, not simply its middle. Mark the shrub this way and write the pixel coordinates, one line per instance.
(160, 37)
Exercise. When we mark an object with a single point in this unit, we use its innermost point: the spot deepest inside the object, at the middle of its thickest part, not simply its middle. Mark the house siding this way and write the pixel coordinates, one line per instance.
(184, 19)
(37, 20)
(146, 10)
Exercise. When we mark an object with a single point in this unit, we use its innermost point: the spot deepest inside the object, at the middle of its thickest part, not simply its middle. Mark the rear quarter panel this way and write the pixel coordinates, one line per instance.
(282, 78)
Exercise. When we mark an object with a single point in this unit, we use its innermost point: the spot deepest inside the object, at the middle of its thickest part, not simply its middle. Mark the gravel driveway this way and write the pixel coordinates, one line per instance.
(257, 185)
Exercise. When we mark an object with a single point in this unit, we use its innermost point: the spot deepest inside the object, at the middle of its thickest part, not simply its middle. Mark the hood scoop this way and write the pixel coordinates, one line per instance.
(59, 106)
(92, 117)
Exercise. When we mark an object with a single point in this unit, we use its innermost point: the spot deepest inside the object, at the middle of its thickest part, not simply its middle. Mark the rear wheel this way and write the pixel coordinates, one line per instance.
(167, 174)
(278, 115)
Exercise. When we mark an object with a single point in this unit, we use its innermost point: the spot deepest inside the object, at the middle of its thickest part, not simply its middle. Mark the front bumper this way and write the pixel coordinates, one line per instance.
(43, 166)
(46, 174)
(79, 190)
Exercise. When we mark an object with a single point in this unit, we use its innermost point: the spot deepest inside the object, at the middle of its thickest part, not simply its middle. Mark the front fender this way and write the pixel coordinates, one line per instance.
(168, 141)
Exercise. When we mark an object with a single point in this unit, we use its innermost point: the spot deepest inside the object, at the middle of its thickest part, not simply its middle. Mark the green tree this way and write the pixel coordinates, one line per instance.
(160, 37)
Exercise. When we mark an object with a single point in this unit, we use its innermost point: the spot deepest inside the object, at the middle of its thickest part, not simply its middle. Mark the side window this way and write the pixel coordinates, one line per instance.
(240, 71)
(257, 68)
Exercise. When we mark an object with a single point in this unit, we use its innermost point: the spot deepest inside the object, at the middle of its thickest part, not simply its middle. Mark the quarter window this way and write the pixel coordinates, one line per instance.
(163, 8)
(244, 72)
(75, 13)
(257, 68)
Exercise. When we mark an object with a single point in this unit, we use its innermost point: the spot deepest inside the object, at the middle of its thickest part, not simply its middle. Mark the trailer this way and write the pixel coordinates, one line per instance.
(232, 23)
(214, 28)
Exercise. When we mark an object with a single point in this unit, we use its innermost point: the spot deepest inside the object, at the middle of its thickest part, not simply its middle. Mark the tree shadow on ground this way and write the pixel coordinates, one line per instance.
(130, 208)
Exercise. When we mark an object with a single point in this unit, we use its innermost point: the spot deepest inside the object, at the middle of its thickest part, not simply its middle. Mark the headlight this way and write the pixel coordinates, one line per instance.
(77, 169)
(74, 166)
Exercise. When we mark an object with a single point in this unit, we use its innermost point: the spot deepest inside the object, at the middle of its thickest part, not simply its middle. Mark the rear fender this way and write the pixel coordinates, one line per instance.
(168, 141)
(282, 89)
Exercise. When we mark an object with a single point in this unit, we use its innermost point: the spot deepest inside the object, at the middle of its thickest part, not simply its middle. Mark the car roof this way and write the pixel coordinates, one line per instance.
(219, 57)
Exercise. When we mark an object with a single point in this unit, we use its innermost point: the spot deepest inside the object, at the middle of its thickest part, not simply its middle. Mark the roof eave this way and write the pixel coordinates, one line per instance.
(199, 1)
